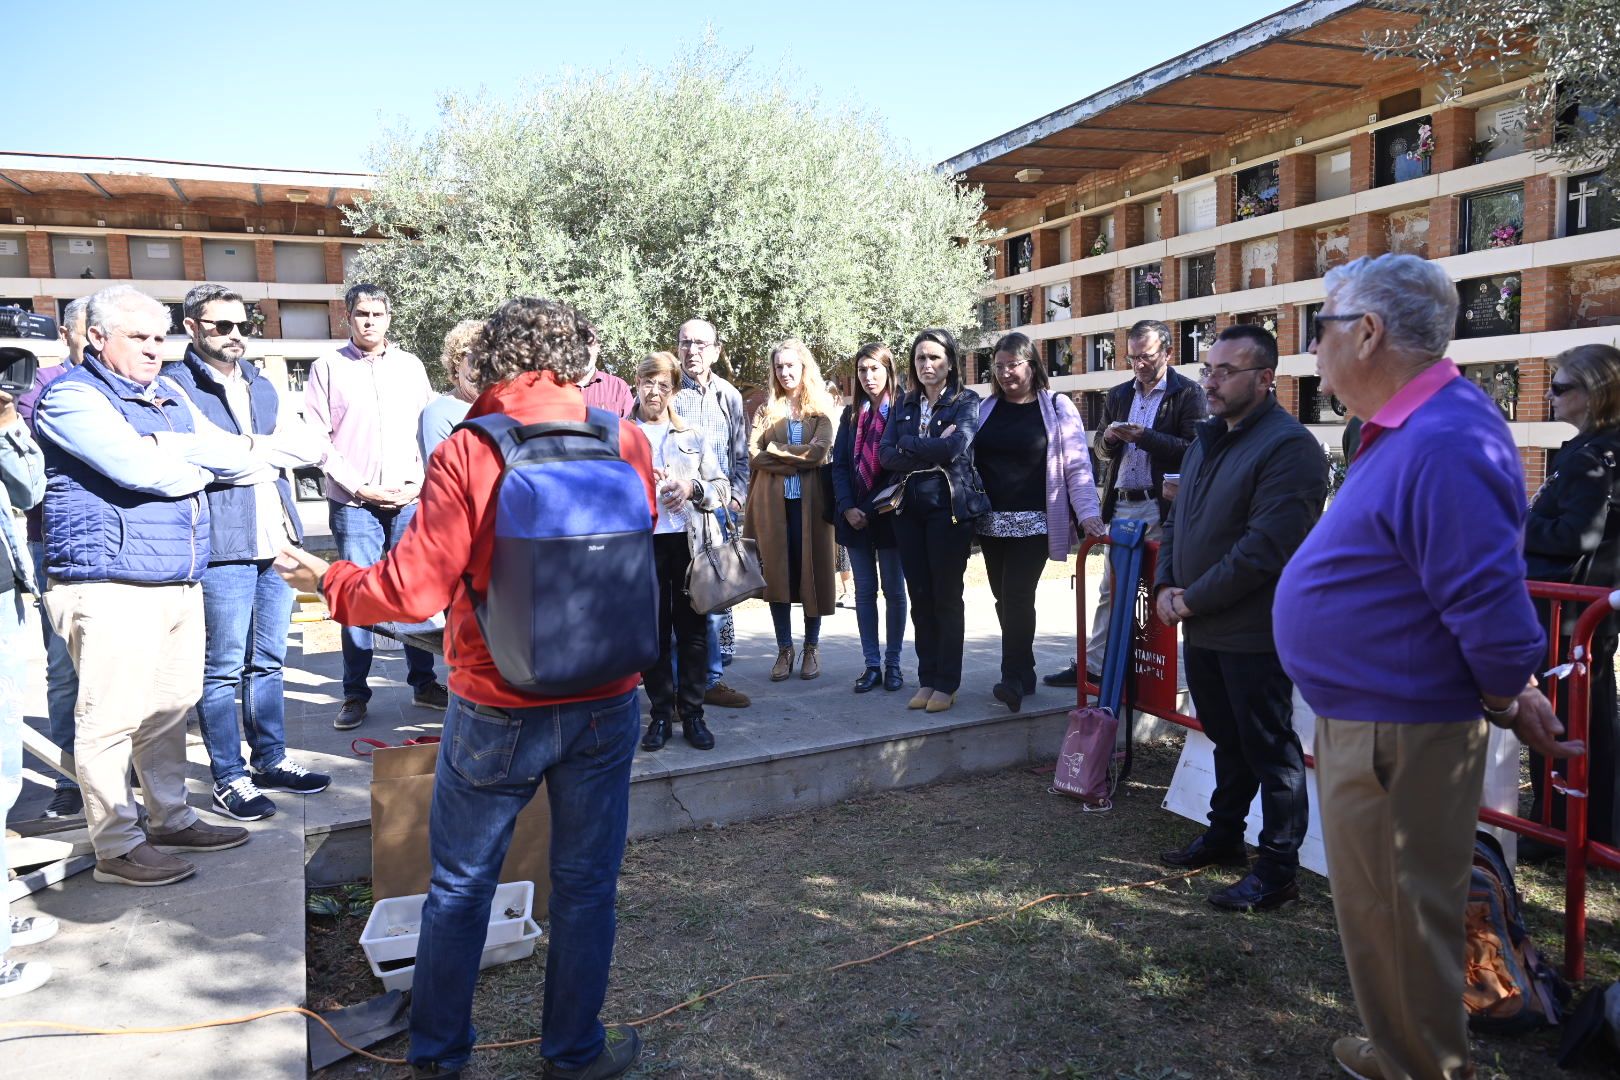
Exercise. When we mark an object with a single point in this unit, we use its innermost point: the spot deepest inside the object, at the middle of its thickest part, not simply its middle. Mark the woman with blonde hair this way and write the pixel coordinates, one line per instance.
(688, 478)
(792, 438)
(440, 418)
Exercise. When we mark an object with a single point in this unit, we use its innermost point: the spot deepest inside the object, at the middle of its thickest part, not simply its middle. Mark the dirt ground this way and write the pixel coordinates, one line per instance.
(1139, 984)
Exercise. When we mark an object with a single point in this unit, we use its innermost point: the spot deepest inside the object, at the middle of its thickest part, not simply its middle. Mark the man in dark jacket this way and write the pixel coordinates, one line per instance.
(1252, 485)
(1146, 426)
(246, 605)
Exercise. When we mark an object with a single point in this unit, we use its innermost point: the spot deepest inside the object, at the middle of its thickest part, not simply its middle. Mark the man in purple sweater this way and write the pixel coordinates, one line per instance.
(1404, 621)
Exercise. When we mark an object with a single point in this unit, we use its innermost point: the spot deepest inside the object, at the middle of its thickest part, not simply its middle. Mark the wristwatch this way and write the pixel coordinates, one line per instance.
(1502, 718)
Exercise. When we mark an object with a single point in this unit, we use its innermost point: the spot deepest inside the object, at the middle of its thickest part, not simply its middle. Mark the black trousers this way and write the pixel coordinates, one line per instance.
(1602, 747)
(1015, 564)
(690, 631)
(933, 556)
(1245, 703)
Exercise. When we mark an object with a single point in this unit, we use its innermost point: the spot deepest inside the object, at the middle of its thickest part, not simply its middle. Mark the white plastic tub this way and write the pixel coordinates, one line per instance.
(394, 929)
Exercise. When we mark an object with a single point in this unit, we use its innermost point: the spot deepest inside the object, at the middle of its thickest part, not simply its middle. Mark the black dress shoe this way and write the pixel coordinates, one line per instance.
(1009, 695)
(868, 681)
(1069, 676)
(698, 734)
(892, 679)
(1200, 853)
(658, 732)
(1252, 894)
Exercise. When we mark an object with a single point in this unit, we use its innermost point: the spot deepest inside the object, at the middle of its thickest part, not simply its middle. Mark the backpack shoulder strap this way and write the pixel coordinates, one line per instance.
(500, 429)
(608, 422)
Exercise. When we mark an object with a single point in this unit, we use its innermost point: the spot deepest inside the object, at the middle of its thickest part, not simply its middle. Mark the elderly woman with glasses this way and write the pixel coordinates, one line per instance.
(1573, 536)
(1030, 450)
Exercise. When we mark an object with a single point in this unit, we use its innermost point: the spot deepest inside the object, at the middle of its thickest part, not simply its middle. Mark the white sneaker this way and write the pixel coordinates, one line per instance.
(18, 979)
(33, 929)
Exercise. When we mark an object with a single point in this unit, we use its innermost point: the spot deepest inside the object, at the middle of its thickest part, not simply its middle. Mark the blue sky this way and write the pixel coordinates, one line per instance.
(297, 84)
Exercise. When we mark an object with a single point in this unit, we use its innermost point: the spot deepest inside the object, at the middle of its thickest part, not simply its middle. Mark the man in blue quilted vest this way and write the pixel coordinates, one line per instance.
(246, 605)
(126, 542)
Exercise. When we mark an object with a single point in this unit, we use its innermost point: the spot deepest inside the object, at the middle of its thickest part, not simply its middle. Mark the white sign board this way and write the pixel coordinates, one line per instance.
(8, 247)
(80, 246)
(157, 251)
(1197, 209)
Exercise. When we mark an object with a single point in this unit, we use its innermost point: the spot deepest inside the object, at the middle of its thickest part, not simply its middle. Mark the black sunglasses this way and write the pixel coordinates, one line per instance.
(225, 326)
(1315, 329)
(1560, 389)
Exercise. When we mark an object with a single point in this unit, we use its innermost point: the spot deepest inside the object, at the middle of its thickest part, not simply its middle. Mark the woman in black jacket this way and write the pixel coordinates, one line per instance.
(865, 532)
(929, 443)
(1573, 536)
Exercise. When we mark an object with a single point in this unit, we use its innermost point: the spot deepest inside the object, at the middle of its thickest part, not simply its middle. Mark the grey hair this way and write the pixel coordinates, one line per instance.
(207, 293)
(1415, 298)
(112, 308)
(73, 316)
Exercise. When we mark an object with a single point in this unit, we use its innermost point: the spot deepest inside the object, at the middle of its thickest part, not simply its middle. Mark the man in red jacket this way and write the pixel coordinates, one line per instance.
(500, 743)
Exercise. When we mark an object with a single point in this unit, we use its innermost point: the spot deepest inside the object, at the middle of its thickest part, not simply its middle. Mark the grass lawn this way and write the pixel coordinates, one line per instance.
(1142, 984)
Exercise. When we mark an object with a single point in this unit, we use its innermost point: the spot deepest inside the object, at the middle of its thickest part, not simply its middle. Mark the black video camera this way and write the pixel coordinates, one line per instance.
(17, 365)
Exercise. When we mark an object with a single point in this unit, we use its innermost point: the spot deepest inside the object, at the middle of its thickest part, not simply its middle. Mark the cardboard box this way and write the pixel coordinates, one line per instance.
(402, 795)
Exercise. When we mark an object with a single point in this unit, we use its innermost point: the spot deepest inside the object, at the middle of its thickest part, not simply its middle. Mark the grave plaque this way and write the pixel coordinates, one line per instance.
(1400, 154)
(1493, 219)
(1589, 204)
(1488, 306)
(1199, 275)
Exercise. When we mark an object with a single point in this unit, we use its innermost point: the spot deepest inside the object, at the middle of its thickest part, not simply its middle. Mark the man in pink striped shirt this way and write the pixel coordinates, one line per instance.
(367, 397)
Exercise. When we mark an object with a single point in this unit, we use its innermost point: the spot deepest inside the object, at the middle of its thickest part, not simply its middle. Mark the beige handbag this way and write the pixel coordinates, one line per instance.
(723, 573)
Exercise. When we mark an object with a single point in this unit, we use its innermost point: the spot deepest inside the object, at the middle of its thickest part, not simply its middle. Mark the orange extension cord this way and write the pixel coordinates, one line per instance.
(75, 1029)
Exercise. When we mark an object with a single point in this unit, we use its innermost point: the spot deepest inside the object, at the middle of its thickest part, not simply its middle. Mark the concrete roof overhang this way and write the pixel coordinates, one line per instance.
(1309, 56)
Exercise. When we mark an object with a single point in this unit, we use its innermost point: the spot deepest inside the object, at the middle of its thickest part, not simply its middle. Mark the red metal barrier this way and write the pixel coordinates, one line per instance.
(1580, 852)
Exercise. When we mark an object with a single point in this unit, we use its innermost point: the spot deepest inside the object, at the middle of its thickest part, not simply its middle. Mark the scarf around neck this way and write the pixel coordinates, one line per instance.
(868, 434)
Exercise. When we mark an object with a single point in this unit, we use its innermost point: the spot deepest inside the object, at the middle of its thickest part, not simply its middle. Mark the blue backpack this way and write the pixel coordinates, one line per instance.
(573, 591)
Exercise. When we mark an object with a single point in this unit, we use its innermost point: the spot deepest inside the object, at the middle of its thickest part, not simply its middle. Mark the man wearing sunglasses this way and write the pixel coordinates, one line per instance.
(246, 605)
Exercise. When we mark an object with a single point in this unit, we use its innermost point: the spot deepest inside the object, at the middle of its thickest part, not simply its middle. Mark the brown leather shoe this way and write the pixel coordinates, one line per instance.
(722, 696)
(810, 664)
(783, 666)
(201, 836)
(143, 865)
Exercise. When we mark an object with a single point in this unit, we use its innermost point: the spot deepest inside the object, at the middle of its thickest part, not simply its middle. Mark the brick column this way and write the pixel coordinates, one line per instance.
(264, 260)
(1228, 268)
(1170, 275)
(1534, 374)
(1122, 289)
(1453, 139)
(1288, 389)
(1089, 294)
(1169, 215)
(1361, 162)
(117, 255)
(1122, 348)
(1534, 461)
(1082, 234)
(1443, 215)
(1544, 302)
(1226, 199)
(271, 310)
(191, 258)
(1288, 341)
(1369, 235)
(337, 319)
(1296, 181)
(1540, 209)
(1296, 255)
(45, 305)
(334, 263)
(1127, 226)
(1046, 248)
(40, 262)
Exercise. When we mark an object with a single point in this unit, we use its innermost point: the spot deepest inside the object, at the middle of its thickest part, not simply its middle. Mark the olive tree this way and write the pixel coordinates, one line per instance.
(655, 196)
(1569, 45)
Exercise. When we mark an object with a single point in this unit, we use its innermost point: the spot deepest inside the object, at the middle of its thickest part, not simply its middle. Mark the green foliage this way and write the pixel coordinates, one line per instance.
(657, 196)
(353, 899)
(1472, 43)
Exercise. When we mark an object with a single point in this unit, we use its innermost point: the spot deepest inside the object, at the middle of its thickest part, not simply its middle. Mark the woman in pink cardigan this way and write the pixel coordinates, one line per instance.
(1031, 453)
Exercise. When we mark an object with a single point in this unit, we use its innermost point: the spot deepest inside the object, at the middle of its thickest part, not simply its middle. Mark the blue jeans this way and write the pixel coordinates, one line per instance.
(717, 667)
(364, 534)
(491, 763)
(247, 609)
(868, 564)
(61, 678)
(13, 679)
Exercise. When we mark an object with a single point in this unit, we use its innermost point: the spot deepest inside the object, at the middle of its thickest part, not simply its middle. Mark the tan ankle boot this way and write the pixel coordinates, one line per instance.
(783, 666)
(810, 665)
(919, 700)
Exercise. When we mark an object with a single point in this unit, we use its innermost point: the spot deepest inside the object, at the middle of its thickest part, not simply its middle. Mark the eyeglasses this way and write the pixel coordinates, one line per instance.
(1222, 373)
(1558, 389)
(1008, 369)
(1316, 330)
(223, 327)
(692, 346)
(1142, 358)
(655, 388)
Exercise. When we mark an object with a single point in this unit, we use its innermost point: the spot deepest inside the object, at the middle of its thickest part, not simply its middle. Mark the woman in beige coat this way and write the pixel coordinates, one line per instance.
(792, 438)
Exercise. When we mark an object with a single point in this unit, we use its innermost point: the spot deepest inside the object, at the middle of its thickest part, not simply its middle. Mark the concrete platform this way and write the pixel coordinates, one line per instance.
(231, 940)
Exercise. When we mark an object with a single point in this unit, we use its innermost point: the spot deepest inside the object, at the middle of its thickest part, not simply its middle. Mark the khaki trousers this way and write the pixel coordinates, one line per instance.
(139, 653)
(1398, 808)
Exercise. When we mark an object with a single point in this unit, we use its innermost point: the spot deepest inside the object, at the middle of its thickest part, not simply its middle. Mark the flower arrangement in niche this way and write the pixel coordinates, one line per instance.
(1425, 144)
(1099, 246)
(1507, 304)
(1505, 236)
(1154, 280)
(1255, 203)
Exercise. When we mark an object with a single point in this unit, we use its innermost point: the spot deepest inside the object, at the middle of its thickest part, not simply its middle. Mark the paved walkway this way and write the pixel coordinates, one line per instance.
(231, 940)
